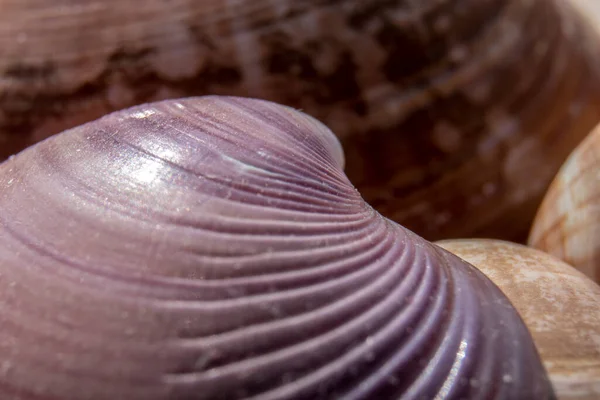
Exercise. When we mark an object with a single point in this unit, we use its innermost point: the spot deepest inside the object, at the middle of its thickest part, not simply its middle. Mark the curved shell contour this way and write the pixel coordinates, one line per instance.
(567, 224)
(212, 248)
(590, 10)
(444, 108)
(558, 304)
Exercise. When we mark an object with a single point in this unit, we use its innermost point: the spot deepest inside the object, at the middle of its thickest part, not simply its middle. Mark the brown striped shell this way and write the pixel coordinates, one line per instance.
(212, 248)
(560, 306)
(445, 108)
(567, 224)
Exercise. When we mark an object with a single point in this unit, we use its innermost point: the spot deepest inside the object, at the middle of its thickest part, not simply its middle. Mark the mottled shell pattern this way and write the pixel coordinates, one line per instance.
(212, 248)
(558, 304)
(567, 224)
(444, 107)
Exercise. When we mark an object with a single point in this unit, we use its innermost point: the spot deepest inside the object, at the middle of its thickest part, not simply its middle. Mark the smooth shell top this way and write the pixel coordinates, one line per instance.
(212, 248)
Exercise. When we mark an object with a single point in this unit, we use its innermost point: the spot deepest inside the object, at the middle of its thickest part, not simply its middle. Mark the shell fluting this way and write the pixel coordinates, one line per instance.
(567, 224)
(558, 304)
(444, 108)
(212, 248)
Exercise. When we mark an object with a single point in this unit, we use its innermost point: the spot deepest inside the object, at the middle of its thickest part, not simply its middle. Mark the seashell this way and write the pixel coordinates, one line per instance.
(567, 224)
(212, 248)
(444, 108)
(558, 304)
(590, 10)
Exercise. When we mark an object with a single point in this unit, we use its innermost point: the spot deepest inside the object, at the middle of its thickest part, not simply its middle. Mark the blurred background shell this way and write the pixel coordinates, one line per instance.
(558, 303)
(454, 115)
(589, 9)
(567, 224)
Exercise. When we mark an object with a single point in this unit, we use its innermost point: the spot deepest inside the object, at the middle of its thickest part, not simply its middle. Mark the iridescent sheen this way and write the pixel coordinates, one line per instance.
(212, 248)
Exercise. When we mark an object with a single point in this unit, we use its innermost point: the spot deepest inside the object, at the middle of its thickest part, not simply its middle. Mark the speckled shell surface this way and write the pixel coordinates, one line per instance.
(559, 304)
(567, 224)
(444, 108)
(212, 248)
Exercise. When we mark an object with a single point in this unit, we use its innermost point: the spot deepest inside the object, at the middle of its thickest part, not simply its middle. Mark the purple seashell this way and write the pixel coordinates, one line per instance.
(212, 248)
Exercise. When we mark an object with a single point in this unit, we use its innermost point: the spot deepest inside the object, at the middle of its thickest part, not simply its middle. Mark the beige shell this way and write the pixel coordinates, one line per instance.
(560, 306)
(445, 109)
(590, 9)
(567, 224)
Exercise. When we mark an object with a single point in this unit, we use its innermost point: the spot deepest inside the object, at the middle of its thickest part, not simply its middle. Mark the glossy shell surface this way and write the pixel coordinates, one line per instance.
(212, 248)
(444, 108)
(559, 304)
